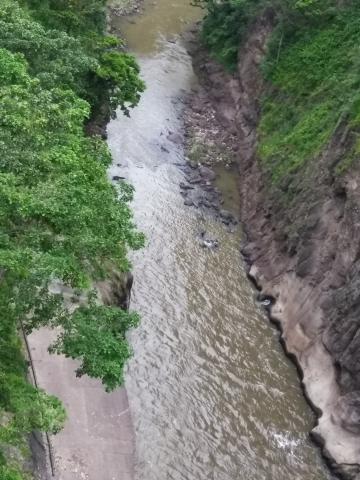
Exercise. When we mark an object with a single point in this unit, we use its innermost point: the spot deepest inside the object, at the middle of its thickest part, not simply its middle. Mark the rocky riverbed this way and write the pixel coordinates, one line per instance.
(121, 8)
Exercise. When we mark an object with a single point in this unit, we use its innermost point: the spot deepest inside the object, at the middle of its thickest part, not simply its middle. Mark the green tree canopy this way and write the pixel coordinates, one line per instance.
(60, 218)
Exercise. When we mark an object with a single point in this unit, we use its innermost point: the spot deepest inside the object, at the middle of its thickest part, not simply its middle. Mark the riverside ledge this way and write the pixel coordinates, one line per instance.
(98, 441)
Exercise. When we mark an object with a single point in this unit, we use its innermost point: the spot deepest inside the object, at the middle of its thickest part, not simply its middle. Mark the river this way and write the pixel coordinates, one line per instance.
(211, 392)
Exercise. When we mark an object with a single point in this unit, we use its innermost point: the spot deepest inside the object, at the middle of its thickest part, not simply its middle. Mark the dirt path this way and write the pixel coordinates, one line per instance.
(97, 442)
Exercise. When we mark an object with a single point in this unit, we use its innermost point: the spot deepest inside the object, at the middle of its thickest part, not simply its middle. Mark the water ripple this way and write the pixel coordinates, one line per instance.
(212, 395)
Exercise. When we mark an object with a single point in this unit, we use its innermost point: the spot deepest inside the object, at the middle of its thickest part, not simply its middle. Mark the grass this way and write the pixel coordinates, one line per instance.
(312, 72)
(314, 84)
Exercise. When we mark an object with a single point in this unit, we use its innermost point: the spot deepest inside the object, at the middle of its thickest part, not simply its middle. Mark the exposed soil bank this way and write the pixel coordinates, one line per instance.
(312, 275)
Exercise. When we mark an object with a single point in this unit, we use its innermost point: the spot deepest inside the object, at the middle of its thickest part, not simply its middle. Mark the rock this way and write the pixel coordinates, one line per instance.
(194, 180)
(185, 186)
(207, 173)
(225, 221)
(210, 244)
(226, 216)
(116, 291)
(206, 203)
(188, 202)
(175, 138)
(304, 264)
(348, 412)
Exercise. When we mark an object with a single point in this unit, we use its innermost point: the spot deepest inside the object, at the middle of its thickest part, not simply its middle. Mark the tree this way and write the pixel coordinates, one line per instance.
(60, 218)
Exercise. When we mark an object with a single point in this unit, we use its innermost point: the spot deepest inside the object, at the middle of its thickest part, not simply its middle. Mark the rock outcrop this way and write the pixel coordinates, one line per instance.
(304, 254)
(116, 291)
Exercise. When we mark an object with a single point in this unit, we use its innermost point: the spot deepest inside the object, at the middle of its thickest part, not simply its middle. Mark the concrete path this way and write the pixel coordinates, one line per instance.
(97, 442)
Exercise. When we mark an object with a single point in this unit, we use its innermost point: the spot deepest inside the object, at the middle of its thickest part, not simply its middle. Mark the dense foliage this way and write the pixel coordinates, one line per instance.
(227, 22)
(313, 88)
(225, 25)
(60, 218)
(311, 70)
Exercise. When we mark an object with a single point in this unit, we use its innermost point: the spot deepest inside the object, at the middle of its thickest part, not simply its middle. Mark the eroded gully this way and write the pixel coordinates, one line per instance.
(211, 392)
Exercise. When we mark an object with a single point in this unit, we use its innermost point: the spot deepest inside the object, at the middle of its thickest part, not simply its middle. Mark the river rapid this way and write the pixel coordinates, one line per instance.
(211, 392)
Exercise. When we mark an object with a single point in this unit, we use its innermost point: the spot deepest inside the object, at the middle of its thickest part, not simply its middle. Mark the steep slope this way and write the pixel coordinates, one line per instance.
(300, 203)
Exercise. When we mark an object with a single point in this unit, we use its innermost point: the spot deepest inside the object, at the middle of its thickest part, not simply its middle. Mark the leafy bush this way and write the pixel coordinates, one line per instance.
(72, 62)
(102, 356)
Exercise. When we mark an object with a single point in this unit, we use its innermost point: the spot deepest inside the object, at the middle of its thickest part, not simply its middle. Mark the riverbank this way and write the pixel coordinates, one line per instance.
(97, 442)
(303, 277)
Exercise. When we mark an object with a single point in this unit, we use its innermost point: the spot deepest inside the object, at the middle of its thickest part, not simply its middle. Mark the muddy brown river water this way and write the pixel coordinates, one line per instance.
(211, 392)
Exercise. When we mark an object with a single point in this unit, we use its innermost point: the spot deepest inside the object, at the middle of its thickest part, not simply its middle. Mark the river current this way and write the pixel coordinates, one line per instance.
(211, 392)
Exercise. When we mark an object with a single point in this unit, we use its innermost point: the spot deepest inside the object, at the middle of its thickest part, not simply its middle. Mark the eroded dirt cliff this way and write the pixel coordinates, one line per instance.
(301, 246)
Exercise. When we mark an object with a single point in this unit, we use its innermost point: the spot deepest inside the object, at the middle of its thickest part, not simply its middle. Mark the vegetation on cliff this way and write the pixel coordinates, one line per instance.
(60, 217)
(311, 70)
